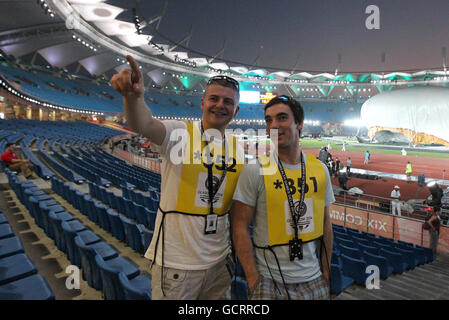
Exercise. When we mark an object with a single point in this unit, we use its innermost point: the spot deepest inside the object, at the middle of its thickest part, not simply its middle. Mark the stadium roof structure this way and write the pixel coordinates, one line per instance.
(92, 37)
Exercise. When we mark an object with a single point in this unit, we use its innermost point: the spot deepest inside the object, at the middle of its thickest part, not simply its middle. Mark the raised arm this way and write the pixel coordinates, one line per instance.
(129, 83)
(241, 217)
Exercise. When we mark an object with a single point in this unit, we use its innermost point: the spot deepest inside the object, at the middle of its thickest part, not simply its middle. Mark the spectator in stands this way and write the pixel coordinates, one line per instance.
(395, 202)
(348, 166)
(434, 230)
(408, 171)
(191, 247)
(12, 161)
(281, 261)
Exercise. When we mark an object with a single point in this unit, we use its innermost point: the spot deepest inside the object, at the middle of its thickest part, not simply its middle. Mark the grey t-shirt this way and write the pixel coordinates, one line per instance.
(250, 190)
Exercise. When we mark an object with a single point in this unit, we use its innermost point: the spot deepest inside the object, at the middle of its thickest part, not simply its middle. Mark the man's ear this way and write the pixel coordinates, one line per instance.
(236, 111)
(299, 126)
(202, 104)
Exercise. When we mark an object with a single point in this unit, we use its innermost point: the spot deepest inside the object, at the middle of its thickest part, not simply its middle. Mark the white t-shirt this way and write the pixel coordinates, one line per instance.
(251, 191)
(183, 240)
(395, 194)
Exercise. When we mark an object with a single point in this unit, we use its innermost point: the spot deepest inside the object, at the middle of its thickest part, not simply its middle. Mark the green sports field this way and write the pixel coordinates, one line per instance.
(313, 143)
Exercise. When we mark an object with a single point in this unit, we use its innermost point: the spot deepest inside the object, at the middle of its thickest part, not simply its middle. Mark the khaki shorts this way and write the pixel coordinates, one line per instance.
(209, 284)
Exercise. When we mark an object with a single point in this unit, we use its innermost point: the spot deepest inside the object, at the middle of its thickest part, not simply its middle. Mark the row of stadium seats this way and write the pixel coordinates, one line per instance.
(102, 267)
(19, 278)
(141, 213)
(137, 236)
(100, 97)
(354, 251)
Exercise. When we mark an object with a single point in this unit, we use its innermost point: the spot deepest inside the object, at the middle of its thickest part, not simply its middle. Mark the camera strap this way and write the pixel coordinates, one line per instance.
(295, 245)
(211, 218)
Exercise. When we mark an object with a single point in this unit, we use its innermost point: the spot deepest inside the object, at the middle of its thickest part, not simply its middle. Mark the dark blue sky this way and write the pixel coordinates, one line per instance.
(412, 32)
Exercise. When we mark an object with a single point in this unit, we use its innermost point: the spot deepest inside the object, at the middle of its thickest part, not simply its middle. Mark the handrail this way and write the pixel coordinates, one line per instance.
(374, 203)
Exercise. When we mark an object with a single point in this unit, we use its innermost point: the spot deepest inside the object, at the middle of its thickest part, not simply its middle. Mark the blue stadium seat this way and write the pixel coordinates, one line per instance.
(10, 246)
(347, 242)
(382, 245)
(3, 219)
(370, 249)
(88, 237)
(419, 254)
(121, 205)
(92, 211)
(141, 214)
(84, 202)
(16, 267)
(336, 259)
(361, 240)
(239, 272)
(150, 203)
(395, 259)
(151, 219)
(350, 251)
(428, 252)
(147, 237)
(134, 237)
(138, 288)
(409, 256)
(368, 236)
(341, 235)
(384, 268)
(239, 289)
(6, 231)
(129, 206)
(91, 273)
(103, 219)
(339, 282)
(354, 268)
(34, 287)
(109, 271)
(117, 229)
(352, 231)
(62, 215)
(42, 208)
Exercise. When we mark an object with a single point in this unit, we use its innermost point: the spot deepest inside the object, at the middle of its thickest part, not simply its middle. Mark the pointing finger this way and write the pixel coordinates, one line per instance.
(136, 74)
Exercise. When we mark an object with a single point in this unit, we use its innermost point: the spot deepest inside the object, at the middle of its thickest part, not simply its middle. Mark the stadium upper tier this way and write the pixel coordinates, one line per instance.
(67, 91)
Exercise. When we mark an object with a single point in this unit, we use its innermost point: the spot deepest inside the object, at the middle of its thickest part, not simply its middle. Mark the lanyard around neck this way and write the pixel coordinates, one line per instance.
(213, 190)
(295, 215)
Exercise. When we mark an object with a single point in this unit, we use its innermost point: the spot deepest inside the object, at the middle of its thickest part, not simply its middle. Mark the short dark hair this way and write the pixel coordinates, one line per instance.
(9, 144)
(294, 105)
(225, 81)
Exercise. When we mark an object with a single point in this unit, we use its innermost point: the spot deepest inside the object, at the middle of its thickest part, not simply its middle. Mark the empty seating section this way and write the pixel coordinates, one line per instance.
(19, 278)
(354, 251)
(100, 263)
(89, 94)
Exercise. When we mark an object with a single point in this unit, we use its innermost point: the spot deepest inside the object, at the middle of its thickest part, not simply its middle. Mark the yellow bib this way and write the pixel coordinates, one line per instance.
(193, 192)
(279, 218)
(408, 168)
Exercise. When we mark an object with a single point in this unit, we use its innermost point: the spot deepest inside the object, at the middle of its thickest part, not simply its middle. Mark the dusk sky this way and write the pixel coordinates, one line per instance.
(412, 32)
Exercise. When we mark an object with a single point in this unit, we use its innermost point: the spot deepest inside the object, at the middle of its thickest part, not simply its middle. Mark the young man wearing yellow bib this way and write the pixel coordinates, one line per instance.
(290, 254)
(191, 245)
